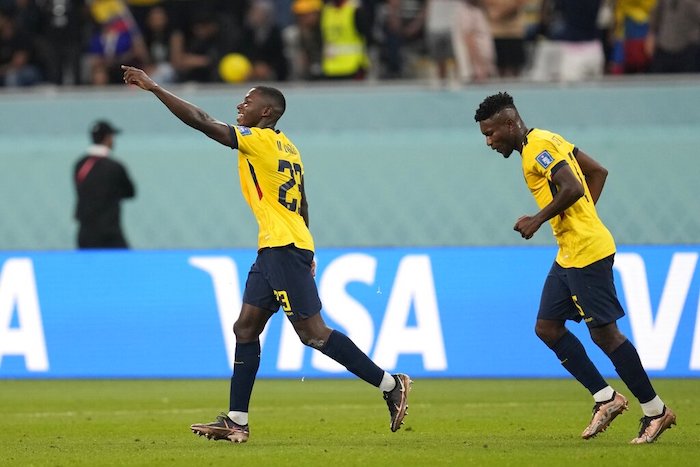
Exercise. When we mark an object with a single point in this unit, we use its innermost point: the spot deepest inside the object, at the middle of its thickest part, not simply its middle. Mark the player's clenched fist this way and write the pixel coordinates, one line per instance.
(138, 78)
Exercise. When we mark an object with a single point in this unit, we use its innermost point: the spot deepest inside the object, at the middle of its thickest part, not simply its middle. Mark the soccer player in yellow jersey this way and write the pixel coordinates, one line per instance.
(566, 184)
(272, 180)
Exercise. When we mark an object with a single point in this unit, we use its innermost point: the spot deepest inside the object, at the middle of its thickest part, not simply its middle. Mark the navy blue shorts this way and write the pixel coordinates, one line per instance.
(281, 277)
(577, 294)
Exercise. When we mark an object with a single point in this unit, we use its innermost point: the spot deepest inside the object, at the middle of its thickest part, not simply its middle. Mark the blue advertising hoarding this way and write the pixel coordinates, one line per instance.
(432, 312)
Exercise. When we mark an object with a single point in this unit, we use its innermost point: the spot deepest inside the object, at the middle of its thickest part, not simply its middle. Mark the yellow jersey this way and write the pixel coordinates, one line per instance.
(272, 177)
(582, 237)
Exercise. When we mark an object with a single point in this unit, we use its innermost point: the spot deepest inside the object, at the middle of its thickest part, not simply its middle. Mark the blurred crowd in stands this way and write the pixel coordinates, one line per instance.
(83, 42)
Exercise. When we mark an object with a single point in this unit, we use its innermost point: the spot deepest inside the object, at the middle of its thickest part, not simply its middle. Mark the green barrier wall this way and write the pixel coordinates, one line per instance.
(386, 165)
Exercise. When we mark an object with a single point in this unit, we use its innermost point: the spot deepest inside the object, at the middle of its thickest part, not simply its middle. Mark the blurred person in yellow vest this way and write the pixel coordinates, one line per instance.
(344, 33)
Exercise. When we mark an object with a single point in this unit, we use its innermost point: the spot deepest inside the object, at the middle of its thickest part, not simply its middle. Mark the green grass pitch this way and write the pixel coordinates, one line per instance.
(321, 422)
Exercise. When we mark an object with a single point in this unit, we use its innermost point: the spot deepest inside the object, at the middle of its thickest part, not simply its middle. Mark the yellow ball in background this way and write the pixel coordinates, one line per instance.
(234, 68)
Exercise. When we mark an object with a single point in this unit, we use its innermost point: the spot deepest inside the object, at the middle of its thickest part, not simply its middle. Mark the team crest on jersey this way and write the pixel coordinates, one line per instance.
(244, 130)
(544, 159)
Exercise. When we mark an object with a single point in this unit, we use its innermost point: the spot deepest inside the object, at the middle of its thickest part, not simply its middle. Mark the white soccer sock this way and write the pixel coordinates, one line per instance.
(241, 418)
(604, 394)
(388, 382)
(654, 407)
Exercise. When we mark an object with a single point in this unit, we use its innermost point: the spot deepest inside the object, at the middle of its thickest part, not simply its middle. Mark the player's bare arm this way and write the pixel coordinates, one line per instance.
(569, 190)
(187, 112)
(304, 208)
(594, 172)
(304, 211)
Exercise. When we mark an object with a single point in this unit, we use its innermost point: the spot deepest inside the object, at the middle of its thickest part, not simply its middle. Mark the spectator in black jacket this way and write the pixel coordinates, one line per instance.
(101, 183)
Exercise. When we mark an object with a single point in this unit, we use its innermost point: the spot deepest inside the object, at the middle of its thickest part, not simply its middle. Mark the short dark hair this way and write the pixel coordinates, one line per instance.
(492, 105)
(275, 97)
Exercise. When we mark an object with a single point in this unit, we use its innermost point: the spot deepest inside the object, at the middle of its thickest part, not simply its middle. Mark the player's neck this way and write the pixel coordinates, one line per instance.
(265, 125)
(521, 139)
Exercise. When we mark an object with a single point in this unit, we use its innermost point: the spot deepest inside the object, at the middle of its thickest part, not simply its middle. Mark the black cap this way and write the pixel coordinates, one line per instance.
(102, 128)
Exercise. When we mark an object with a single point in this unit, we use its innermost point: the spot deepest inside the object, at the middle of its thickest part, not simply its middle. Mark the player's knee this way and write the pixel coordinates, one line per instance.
(540, 331)
(608, 341)
(315, 343)
(311, 340)
(604, 342)
(244, 333)
(548, 332)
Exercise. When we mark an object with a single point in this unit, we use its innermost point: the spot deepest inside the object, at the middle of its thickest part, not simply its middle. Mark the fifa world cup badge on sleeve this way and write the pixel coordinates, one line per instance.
(544, 159)
(245, 131)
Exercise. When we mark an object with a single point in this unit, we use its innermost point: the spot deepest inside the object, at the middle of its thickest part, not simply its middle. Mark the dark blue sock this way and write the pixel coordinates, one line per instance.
(574, 358)
(344, 351)
(629, 367)
(245, 368)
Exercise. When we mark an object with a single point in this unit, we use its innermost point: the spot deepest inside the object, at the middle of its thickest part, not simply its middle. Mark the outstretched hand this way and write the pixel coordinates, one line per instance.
(138, 78)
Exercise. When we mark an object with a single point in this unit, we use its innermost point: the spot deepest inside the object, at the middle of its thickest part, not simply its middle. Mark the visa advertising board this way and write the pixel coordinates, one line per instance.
(429, 312)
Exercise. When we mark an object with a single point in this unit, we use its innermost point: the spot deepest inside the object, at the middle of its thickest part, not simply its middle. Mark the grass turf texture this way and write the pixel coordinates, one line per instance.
(332, 422)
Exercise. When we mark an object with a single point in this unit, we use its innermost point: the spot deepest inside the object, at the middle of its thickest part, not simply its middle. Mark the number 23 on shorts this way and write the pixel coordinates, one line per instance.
(283, 299)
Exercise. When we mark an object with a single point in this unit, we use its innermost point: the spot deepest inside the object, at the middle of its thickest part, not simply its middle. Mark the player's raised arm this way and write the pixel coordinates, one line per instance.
(189, 113)
(594, 172)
